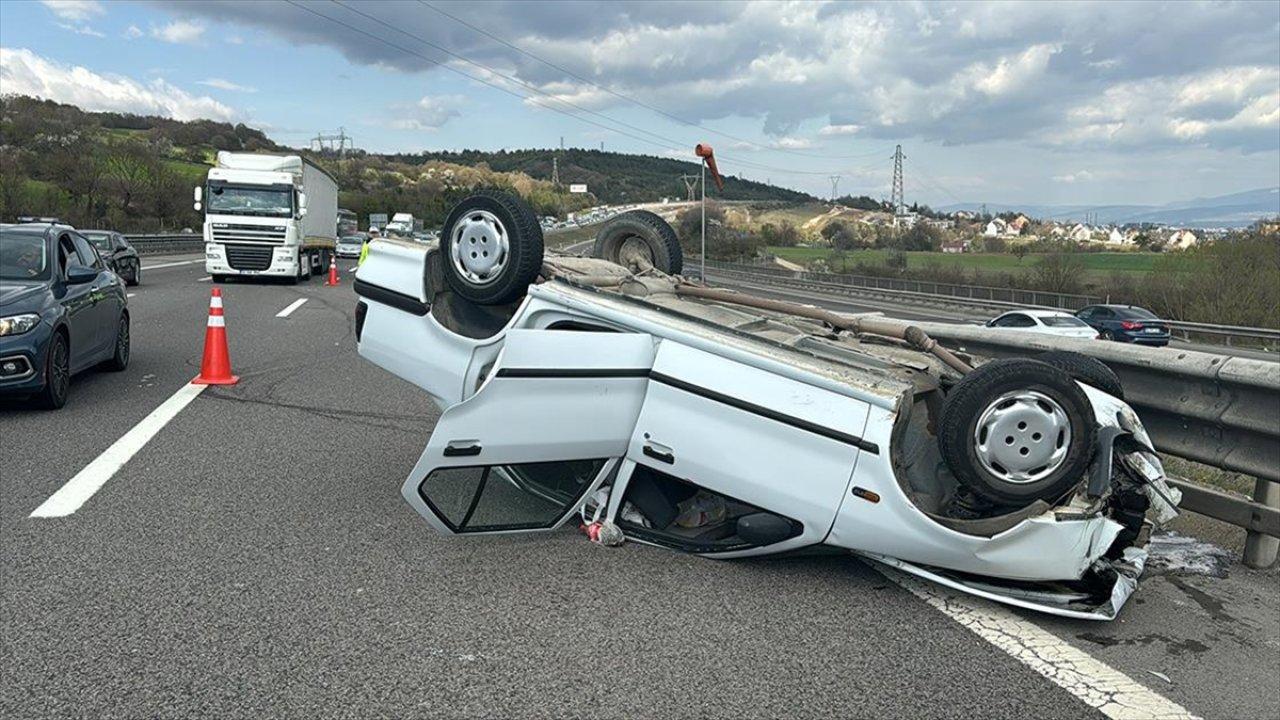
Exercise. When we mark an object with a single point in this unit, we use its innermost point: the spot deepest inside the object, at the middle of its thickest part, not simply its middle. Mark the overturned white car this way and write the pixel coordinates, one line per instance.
(727, 425)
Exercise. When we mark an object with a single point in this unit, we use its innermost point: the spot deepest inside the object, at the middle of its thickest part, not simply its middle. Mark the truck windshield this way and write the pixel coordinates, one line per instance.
(269, 200)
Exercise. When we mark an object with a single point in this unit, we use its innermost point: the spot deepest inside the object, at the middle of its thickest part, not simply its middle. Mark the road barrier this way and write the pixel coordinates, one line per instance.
(161, 244)
(980, 299)
(1218, 410)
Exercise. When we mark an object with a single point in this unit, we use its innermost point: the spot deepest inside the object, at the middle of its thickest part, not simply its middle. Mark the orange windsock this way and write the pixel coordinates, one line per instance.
(215, 367)
(708, 156)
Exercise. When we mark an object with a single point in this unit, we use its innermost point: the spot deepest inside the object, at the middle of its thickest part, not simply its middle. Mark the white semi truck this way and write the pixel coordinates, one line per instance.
(268, 215)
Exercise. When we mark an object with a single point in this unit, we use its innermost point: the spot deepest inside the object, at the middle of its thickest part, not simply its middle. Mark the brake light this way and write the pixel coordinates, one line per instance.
(1130, 324)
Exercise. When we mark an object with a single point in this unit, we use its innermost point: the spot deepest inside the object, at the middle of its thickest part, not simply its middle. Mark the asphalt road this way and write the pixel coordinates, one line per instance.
(255, 559)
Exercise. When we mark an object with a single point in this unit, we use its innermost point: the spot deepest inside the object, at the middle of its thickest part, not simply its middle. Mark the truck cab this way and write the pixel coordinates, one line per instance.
(267, 215)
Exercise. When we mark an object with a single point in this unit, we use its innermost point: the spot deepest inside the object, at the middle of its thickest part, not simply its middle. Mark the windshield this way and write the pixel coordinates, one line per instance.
(99, 239)
(1063, 321)
(269, 200)
(351, 240)
(23, 257)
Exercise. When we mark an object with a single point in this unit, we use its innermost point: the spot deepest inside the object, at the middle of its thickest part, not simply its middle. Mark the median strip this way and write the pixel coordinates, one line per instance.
(79, 489)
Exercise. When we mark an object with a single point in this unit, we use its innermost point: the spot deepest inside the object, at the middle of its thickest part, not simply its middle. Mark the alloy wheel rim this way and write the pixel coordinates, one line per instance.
(1022, 436)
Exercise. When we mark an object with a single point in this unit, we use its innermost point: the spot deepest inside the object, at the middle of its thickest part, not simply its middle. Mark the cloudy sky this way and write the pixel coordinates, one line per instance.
(992, 102)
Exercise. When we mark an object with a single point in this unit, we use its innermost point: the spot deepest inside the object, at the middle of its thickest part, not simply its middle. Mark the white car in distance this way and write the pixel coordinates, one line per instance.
(1046, 322)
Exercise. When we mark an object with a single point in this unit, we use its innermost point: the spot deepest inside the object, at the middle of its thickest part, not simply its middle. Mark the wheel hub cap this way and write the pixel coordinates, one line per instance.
(479, 247)
(1022, 436)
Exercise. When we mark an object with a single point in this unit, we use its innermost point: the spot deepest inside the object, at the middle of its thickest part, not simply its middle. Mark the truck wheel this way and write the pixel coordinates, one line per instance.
(492, 247)
(639, 239)
(1088, 370)
(1017, 430)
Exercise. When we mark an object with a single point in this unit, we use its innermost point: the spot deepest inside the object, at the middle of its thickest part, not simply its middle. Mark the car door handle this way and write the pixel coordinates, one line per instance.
(664, 456)
(469, 450)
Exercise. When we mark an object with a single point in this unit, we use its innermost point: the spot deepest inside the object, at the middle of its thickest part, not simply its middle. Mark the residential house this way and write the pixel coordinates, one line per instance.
(1080, 233)
(996, 227)
(1181, 240)
(955, 247)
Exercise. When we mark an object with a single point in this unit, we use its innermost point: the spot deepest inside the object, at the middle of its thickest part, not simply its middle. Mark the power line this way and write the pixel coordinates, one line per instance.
(628, 98)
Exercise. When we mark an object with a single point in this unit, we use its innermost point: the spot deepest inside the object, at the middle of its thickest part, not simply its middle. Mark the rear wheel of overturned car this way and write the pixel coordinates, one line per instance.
(1017, 430)
(1088, 370)
(639, 239)
(492, 248)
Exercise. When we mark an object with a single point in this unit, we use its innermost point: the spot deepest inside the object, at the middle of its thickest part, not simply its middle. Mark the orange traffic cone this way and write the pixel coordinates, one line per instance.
(215, 368)
(333, 272)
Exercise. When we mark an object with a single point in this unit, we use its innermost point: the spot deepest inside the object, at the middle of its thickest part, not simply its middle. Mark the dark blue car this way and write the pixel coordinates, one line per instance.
(1126, 323)
(61, 311)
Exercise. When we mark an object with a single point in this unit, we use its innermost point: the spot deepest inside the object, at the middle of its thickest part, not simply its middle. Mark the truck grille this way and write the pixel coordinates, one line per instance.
(232, 232)
(249, 257)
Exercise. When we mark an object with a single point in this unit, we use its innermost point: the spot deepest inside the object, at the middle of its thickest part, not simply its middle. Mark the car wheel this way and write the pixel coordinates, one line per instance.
(120, 358)
(492, 246)
(1016, 430)
(639, 239)
(135, 277)
(1108, 335)
(57, 373)
(1088, 370)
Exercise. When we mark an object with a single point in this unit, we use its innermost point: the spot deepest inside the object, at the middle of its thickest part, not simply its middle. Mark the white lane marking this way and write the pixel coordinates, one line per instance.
(172, 264)
(292, 306)
(1099, 685)
(88, 481)
(129, 295)
(206, 278)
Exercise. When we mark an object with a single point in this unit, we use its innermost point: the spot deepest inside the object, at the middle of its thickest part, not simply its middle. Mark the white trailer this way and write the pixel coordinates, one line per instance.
(268, 215)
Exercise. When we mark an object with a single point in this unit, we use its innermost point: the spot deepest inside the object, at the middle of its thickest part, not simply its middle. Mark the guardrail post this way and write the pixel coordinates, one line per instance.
(1260, 550)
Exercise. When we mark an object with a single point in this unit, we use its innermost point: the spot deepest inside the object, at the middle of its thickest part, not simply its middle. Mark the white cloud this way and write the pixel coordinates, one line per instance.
(793, 143)
(75, 10)
(429, 113)
(1074, 177)
(846, 129)
(179, 31)
(227, 85)
(133, 32)
(23, 72)
(81, 30)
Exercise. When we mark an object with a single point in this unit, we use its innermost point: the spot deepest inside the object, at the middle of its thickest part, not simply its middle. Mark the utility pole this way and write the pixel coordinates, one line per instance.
(897, 183)
(561, 143)
(835, 180)
(555, 171)
(601, 146)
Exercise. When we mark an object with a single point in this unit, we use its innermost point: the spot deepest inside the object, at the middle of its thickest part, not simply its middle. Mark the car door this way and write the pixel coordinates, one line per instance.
(778, 444)
(107, 299)
(78, 301)
(550, 421)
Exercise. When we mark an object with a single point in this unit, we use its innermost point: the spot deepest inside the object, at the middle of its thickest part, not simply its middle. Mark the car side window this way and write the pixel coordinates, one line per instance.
(1015, 320)
(68, 255)
(88, 253)
(1102, 314)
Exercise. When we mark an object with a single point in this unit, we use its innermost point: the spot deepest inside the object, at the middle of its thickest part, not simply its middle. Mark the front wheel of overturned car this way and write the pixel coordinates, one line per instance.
(492, 248)
(1088, 370)
(1017, 430)
(639, 239)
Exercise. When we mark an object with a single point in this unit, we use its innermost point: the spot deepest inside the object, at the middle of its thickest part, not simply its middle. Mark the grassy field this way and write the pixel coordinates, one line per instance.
(571, 236)
(1094, 263)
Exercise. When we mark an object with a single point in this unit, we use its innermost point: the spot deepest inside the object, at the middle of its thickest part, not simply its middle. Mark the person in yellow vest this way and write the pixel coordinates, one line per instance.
(364, 249)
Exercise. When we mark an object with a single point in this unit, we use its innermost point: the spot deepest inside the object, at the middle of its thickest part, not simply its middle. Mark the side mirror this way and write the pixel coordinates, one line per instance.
(79, 275)
(302, 201)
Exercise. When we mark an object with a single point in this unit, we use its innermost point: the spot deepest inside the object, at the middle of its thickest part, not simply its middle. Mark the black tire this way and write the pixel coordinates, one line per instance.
(135, 277)
(654, 234)
(119, 359)
(516, 225)
(1109, 336)
(1088, 370)
(978, 392)
(57, 373)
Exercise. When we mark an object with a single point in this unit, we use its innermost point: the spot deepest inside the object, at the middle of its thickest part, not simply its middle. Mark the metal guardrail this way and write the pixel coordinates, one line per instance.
(977, 297)
(1218, 410)
(158, 244)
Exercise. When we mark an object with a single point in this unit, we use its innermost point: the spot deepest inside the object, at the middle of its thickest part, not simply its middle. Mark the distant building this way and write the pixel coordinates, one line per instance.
(1080, 233)
(1018, 224)
(1115, 237)
(955, 247)
(1181, 240)
(996, 227)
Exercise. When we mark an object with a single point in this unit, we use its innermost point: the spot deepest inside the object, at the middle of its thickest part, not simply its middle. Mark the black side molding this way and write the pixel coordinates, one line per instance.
(397, 300)
(765, 412)
(465, 451)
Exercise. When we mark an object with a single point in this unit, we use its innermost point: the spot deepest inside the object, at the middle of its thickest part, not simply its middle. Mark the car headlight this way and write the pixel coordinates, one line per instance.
(18, 324)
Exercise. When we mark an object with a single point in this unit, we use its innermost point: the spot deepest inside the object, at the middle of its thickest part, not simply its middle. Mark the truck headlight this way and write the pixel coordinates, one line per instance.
(18, 324)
